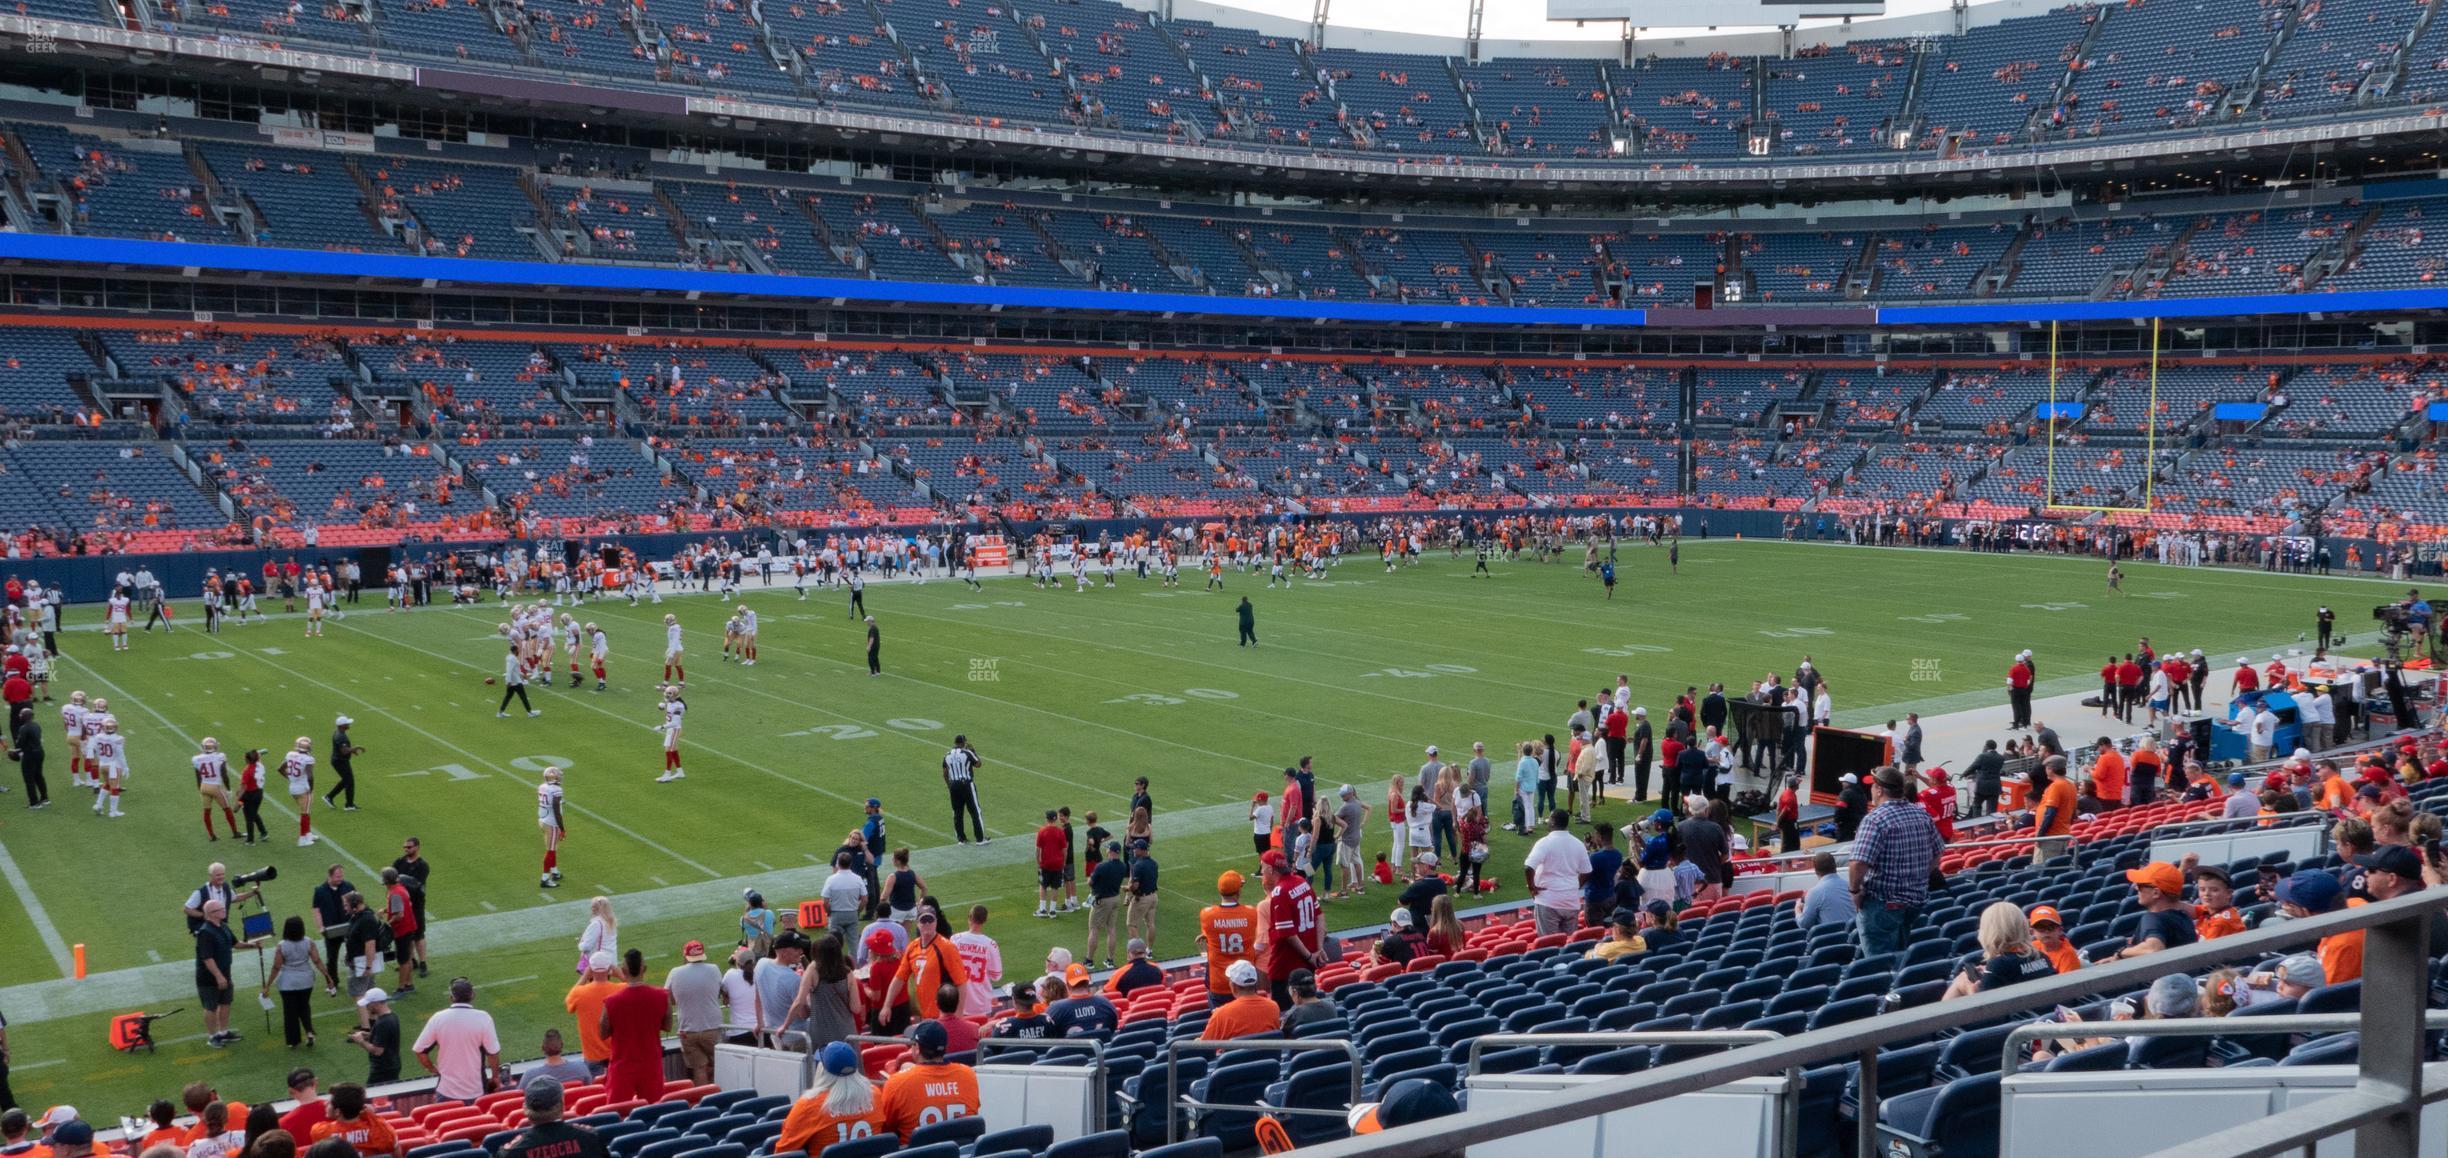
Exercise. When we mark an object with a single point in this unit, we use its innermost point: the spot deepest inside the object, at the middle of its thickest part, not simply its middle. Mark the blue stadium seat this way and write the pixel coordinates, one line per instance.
(1956, 1120)
(958, 1131)
(629, 1144)
(1110, 1144)
(2099, 1057)
(1319, 1088)
(1194, 1148)
(2343, 997)
(1033, 1138)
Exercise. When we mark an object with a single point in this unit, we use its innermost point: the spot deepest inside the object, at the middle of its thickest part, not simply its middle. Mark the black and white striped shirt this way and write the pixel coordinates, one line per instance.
(960, 765)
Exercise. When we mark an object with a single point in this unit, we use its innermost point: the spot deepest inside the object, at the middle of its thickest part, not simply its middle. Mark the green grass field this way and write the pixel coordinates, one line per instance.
(1066, 695)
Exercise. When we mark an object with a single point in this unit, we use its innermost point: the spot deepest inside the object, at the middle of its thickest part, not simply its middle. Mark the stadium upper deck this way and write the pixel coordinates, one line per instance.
(2076, 74)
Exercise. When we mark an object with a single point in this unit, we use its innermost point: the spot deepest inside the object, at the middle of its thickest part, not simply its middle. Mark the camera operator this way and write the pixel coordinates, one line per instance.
(2418, 618)
(218, 887)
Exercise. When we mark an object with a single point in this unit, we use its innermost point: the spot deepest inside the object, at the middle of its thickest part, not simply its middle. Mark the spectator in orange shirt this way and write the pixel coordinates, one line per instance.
(2214, 910)
(2108, 773)
(165, 1132)
(2310, 893)
(585, 1002)
(930, 962)
(2053, 815)
(17, 1138)
(2048, 939)
(929, 1090)
(839, 1107)
(1250, 1011)
(352, 1122)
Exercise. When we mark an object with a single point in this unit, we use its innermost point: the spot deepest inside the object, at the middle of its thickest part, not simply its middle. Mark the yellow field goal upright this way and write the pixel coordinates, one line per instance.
(2150, 435)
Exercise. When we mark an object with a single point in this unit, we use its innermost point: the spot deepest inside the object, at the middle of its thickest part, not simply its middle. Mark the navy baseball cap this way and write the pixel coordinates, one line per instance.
(1415, 1100)
(2313, 890)
(2393, 858)
(929, 1037)
(872, 802)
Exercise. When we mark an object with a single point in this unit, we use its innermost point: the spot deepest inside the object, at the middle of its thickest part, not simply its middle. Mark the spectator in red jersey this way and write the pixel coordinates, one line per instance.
(2019, 691)
(1293, 927)
(1053, 851)
(633, 1022)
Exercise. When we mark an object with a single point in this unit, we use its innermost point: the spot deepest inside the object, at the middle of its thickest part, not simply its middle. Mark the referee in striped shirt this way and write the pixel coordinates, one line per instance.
(960, 767)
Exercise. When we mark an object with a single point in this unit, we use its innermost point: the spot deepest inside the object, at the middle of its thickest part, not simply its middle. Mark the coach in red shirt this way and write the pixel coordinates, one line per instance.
(2019, 691)
(1293, 925)
(1052, 850)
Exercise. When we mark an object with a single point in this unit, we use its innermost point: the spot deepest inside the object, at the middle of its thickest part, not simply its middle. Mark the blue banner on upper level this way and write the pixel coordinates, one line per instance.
(67, 250)
(2239, 411)
(475, 271)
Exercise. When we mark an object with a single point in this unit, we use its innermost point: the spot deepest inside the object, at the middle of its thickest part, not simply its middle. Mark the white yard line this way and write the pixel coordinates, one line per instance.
(41, 917)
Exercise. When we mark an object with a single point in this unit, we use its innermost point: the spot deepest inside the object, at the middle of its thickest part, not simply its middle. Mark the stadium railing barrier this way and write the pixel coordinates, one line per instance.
(1175, 1049)
(2131, 1104)
(1072, 1099)
(2383, 1107)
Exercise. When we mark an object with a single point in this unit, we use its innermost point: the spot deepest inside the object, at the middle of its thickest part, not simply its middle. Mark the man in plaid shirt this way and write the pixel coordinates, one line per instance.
(1893, 854)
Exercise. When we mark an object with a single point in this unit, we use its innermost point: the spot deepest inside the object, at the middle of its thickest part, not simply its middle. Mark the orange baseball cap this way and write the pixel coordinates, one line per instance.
(1077, 974)
(1229, 883)
(2159, 875)
(2047, 913)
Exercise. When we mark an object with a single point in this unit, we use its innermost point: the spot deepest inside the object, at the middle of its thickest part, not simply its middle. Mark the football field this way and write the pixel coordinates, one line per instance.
(1066, 695)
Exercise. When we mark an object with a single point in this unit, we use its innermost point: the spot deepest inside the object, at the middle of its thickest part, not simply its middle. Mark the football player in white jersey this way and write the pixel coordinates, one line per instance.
(298, 767)
(599, 649)
(674, 710)
(72, 727)
(673, 668)
(747, 636)
(316, 597)
(573, 640)
(108, 752)
(212, 783)
(118, 620)
(731, 636)
(548, 818)
(87, 729)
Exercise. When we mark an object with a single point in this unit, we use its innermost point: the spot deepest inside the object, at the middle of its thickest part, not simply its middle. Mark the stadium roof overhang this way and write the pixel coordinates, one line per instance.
(2267, 148)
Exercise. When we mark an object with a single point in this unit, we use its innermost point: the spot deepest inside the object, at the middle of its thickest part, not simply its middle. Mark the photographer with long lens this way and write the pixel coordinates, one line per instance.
(220, 886)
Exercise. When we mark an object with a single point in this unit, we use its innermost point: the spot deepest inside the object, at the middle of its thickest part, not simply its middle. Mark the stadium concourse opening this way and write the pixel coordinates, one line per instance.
(1079, 581)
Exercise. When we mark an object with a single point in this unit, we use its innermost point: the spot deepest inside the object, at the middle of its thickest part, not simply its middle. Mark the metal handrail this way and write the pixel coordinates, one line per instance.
(2187, 1027)
(1789, 1116)
(2395, 989)
(1487, 1041)
(2073, 839)
(1174, 1050)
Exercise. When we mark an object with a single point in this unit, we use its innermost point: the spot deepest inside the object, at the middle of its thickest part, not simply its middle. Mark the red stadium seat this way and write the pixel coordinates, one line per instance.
(1591, 933)
(1423, 963)
(1550, 941)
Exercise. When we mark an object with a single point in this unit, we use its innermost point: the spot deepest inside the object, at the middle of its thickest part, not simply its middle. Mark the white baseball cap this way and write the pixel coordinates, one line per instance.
(1241, 973)
(342, 722)
(1432, 749)
(373, 997)
(599, 962)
